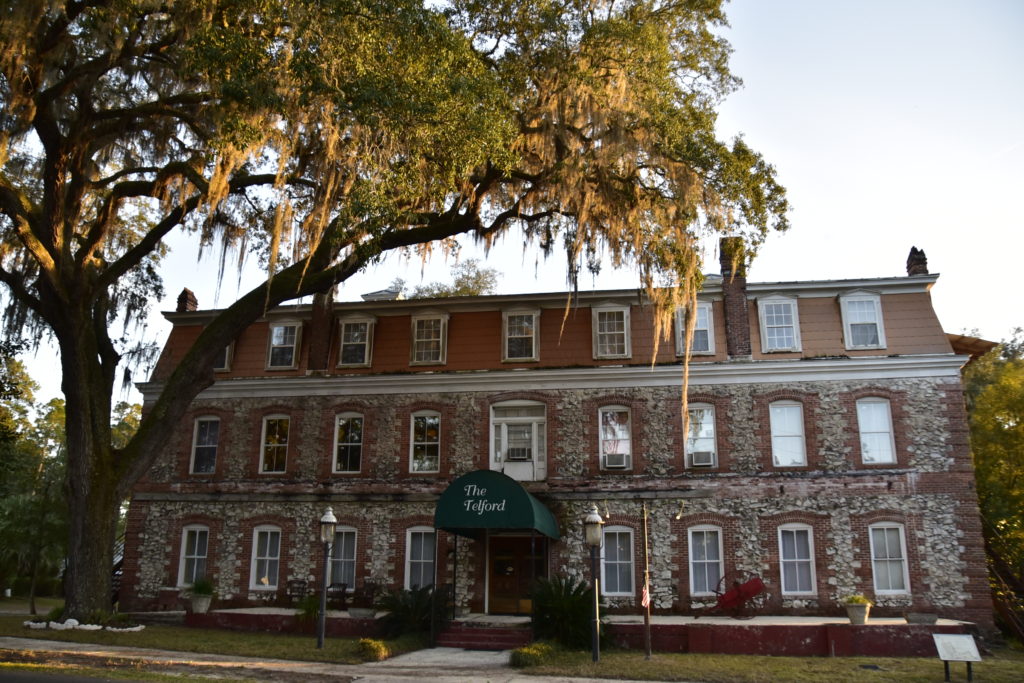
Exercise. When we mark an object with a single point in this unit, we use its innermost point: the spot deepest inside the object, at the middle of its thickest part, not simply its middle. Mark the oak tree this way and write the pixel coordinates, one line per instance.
(320, 134)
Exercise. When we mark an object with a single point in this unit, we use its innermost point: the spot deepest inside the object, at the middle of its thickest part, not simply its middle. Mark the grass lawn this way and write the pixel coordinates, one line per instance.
(214, 641)
(1004, 666)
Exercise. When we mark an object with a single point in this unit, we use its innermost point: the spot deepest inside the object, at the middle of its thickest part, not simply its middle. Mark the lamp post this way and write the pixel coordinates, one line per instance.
(327, 524)
(592, 524)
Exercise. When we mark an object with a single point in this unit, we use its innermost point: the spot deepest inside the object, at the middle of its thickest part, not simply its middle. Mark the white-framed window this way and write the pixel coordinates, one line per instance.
(796, 559)
(425, 442)
(205, 437)
(889, 559)
(348, 442)
(266, 557)
(706, 566)
(518, 431)
(222, 363)
(343, 557)
(701, 448)
(787, 425)
(617, 561)
(780, 324)
(283, 346)
(615, 439)
(520, 339)
(611, 331)
(703, 341)
(419, 557)
(874, 422)
(356, 341)
(195, 541)
(862, 321)
(274, 444)
(429, 339)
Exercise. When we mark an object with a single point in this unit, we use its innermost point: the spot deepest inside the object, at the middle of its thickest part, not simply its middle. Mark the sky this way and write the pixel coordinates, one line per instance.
(892, 123)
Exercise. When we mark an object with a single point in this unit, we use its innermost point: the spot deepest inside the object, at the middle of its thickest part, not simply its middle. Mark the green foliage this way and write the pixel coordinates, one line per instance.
(856, 599)
(55, 614)
(408, 611)
(534, 654)
(308, 609)
(469, 278)
(201, 586)
(563, 609)
(994, 387)
(319, 135)
(372, 650)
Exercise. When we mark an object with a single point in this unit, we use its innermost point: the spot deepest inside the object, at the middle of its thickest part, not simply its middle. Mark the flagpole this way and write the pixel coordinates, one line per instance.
(646, 599)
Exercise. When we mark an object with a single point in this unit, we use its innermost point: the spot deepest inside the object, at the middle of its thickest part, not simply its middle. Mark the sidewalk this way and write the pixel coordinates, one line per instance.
(444, 665)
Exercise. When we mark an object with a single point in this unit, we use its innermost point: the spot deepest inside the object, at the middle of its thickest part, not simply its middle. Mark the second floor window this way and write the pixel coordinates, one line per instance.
(349, 443)
(787, 424)
(518, 430)
(284, 345)
(611, 332)
(700, 438)
(428, 339)
(615, 440)
(356, 342)
(204, 445)
(274, 456)
(426, 443)
(520, 335)
(874, 423)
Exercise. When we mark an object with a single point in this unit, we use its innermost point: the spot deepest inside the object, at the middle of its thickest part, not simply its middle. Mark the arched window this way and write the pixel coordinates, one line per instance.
(266, 557)
(343, 556)
(205, 437)
(615, 442)
(348, 442)
(796, 559)
(889, 558)
(425, 442)
(419, 557)
(874, 422)
(617, 561)
(705, 553)
(195, 539)
(787, 425)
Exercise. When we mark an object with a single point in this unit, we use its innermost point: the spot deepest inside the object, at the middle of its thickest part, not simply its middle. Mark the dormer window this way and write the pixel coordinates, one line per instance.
(283, 347)
(862, 321)
(611, 332)
(429, 339)
(356, 335)
(520, 337)
(780, 324)
(703, 341)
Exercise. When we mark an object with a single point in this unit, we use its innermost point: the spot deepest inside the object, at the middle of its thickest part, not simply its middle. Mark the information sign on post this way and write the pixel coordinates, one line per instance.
(957, 647)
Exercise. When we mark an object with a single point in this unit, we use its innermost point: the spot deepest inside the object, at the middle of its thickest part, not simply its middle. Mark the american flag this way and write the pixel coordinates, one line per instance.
(645, 596)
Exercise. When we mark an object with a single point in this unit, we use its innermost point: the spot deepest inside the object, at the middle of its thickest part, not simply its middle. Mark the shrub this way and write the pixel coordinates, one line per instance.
(533, 654)
(562, 611)
(308, 610)
(857, 599)
(55, 614)
(372, 650)
(408, 611)
(201, 586)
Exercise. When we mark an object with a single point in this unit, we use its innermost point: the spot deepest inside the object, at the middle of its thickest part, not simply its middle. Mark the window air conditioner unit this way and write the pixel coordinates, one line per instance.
(615, 461)
(517, 454)
(702, 458)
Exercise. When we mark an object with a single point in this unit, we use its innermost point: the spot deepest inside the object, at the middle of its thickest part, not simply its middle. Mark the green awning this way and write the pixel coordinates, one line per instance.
(486, 499)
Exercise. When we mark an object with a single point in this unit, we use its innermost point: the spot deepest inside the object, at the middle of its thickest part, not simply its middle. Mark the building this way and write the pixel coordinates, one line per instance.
(827, 451)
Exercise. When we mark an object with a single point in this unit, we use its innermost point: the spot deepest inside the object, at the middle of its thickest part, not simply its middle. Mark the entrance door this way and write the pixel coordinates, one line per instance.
(516, 561)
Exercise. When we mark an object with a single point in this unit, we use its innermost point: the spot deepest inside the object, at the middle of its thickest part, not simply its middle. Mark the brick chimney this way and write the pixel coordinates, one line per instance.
(917, 262)
(320, 329)
(732, 257)
(187, 301)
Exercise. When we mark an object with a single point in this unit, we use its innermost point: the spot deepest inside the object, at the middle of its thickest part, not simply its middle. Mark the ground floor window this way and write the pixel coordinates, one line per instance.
(889, 559)
(617, 564)
(266, 557)
(796, 559)
(194, 541)
(343, 557)
(419, 558)
(705, 560)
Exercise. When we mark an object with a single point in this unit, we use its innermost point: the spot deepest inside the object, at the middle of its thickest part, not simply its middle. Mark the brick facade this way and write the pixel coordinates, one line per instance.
(923, 494)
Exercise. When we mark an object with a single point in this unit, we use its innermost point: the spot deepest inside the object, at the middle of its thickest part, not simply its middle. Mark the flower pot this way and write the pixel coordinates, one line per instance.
(362, 612)
(201, 603)
(858, 614)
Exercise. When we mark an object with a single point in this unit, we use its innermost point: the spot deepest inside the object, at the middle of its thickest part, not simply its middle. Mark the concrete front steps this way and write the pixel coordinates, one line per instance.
(470, 636)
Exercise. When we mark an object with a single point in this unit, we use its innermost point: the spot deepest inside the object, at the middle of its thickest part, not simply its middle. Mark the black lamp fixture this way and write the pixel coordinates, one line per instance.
(592, 524)
(327, 525)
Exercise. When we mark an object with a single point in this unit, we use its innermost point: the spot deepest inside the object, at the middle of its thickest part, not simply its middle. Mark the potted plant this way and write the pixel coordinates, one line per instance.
(200, 595)
(857, 608)
(364, 601)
